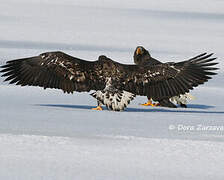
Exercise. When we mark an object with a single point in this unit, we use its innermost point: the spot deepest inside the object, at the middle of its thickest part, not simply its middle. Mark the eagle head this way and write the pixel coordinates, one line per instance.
(141, 55)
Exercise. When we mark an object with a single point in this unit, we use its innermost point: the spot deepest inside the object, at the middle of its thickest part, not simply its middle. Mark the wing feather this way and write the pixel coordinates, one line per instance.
(171, 79)
(61, 71)
(53, 70)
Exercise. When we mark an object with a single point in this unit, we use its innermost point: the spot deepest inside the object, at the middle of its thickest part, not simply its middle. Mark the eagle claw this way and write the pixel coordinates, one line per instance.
(99, 108)
(149, 103)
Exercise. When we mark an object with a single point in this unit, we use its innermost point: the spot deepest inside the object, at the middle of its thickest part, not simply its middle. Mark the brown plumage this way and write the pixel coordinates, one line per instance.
(143, 58)
(61, 71)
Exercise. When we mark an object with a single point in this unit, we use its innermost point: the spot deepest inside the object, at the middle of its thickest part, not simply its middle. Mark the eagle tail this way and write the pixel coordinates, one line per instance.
(182, 99)
(114, 100)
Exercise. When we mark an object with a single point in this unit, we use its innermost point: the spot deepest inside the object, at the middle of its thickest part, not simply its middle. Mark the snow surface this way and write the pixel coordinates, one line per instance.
(45, 134)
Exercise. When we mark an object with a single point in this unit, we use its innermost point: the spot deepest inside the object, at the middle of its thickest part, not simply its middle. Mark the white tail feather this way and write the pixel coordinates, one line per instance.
(182, 99)
(116, 101)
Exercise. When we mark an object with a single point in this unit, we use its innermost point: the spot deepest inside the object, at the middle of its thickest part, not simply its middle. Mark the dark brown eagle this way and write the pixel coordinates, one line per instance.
(142, 57)
(115, 84)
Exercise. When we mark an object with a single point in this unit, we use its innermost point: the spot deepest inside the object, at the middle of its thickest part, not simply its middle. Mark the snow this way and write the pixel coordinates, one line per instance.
(45, 134)
(122, 157)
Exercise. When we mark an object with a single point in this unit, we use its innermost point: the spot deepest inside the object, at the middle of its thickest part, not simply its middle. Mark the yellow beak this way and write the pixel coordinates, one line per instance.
(138, 51)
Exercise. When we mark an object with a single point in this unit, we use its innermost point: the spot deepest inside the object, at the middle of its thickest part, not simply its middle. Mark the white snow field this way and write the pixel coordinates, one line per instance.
(49, 135)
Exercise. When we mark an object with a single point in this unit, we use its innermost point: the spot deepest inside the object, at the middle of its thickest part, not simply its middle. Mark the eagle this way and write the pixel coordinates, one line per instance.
(114, 84)
(142, 57)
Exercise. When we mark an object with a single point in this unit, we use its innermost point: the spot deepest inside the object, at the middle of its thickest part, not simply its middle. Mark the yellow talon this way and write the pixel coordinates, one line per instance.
(149, 103)
(99, 108)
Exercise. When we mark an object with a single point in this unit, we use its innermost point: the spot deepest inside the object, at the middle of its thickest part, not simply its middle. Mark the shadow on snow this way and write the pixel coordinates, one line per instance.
(156, 109)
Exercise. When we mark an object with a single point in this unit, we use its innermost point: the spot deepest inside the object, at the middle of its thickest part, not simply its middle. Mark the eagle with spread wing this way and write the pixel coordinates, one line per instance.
(115, 84)
(142, 57)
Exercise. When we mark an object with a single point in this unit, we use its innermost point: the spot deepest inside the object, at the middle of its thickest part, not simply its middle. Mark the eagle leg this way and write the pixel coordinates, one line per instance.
(99, 108)
(149, 103)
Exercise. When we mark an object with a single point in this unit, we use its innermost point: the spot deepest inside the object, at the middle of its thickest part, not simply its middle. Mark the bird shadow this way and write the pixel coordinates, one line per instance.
(199, 106)
(156, 109)
(67, 106)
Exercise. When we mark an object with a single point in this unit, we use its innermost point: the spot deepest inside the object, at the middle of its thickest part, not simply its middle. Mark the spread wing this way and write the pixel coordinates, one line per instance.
(54, 70)
(61, 71)
(169, 79)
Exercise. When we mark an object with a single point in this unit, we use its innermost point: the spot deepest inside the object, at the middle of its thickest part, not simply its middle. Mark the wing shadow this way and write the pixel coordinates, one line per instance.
(67, 106)
(199, 106)
(156, 109)
(173, 110)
